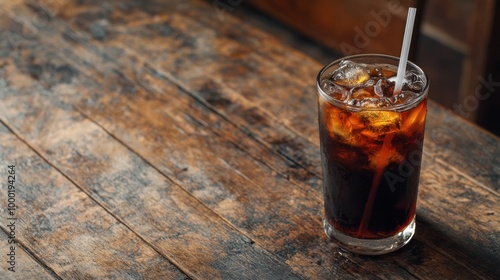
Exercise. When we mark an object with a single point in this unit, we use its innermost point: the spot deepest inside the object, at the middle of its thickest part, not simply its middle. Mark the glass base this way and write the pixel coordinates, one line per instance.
(370, 246)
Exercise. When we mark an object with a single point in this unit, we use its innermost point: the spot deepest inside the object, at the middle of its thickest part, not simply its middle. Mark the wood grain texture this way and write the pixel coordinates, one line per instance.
(225, 143)
(161, 213)
(171, 220)
(455, 142)
(73, 236)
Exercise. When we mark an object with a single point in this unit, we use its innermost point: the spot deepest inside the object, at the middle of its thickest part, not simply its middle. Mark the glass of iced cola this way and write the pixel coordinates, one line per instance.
(371, 151)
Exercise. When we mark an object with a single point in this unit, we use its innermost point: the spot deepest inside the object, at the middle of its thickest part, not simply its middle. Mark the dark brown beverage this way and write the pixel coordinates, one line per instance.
(371, 148)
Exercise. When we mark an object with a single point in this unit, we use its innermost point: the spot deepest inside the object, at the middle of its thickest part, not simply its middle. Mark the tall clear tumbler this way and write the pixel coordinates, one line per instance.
(371, 151)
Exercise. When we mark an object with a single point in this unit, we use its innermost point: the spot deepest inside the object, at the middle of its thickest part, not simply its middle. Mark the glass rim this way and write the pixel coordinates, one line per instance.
(398, 107)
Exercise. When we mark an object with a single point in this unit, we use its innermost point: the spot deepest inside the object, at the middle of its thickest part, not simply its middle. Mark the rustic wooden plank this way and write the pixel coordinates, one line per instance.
(175, 223)
(471, 151)
(459, 219)
(26, 266)
(163, 214)
(191, 40)
(67, 230)
(108, 125)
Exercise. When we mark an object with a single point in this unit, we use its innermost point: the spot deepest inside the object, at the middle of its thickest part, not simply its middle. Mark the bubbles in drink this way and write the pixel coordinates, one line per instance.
(414, 119)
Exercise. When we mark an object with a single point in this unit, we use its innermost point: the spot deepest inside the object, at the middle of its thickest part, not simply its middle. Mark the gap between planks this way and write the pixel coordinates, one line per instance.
(88, 194)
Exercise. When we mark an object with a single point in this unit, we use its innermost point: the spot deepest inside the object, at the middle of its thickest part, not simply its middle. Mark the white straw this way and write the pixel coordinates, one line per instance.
(405, 50)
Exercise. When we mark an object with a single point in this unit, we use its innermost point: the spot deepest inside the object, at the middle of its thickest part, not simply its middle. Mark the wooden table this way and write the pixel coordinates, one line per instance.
(170, 140)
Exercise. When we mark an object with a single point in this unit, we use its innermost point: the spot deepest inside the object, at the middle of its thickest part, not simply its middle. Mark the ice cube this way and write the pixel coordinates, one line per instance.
(389, 71)
(350, 74)
(334, 90)
(381, 122)
(342, 125)
(415, 118)
(361, 93)
(413, 81)
(352, 125)
(370, 83)
(385, 71)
